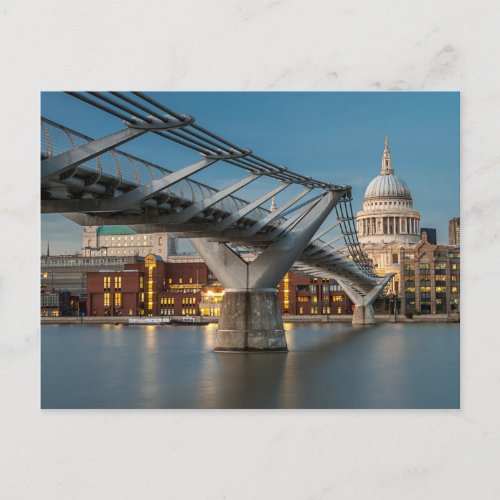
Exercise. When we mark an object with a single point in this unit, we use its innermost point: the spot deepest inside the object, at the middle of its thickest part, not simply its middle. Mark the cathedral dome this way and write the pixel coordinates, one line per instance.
(387, 184)
(388, 214)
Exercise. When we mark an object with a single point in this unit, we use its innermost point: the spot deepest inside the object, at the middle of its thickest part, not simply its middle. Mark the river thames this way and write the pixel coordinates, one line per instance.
(329, 365)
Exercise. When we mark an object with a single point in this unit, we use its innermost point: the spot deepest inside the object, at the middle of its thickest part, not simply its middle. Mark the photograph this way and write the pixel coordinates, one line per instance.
(250, 250)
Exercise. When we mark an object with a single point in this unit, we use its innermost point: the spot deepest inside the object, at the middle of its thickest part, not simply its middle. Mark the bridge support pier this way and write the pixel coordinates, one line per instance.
(250, 317)
(363, 304)
(363, 315)
(250, 321)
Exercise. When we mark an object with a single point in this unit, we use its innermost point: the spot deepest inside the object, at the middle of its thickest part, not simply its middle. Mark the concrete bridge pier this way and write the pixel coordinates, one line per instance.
(363, 304)
(250, 317)
(363, 315)
(250, 321)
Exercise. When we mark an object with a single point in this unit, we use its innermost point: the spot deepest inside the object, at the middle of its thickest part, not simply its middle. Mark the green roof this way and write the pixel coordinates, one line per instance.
(109, 230)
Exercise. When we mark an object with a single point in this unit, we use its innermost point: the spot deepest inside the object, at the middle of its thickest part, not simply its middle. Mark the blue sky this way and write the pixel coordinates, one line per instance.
(333, 136)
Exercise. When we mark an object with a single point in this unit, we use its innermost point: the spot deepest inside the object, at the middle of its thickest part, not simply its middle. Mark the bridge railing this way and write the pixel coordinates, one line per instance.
(129, 170)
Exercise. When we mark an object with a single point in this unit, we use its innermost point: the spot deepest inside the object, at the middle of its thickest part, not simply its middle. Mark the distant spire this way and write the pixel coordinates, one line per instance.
(273, 204)
(386, 160)
(48, 248)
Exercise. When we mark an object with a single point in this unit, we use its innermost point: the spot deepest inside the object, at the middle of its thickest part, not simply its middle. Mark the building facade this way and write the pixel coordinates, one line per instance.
(67, 274)
(388, 221)
(303, 295)
(454, 231)
(185, 286)
(149, 288)
(120, 241)
(430, 279)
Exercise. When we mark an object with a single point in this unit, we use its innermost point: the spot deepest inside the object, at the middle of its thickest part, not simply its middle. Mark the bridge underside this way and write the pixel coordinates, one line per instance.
(88, 183)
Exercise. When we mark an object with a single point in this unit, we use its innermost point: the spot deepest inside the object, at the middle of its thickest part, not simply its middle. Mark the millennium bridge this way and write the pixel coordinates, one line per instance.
(92, 182)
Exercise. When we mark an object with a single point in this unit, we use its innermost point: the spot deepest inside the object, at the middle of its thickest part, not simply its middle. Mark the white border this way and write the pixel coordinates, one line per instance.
(239, 45)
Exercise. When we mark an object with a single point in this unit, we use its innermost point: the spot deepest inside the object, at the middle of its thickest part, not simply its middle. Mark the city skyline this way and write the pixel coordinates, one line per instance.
(307, 132)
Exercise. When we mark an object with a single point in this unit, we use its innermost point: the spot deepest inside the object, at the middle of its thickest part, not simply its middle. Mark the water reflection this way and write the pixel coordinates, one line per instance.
(328, 366)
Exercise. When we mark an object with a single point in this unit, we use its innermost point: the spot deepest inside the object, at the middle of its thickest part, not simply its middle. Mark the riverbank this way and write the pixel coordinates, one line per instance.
(317, 318)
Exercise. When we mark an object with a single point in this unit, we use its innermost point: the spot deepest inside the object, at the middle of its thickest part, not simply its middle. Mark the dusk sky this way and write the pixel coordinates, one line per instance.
(335, 137)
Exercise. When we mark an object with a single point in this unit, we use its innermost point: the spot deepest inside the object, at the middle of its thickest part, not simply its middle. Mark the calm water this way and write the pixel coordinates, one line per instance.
(328, 366)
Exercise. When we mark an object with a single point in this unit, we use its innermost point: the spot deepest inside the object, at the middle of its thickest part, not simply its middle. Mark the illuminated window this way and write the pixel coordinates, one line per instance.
(302, 299)
(339, 310)
(180, 280)
(170, 280)
(454, 289)
(118, 299)
(301, 310)
(337, 298)
(326, 310)
(190, 280)
(118, 282)
(141, 282)
(45, 275)
(107, 300)
(314, 298)
(107, 282)
(455, 266)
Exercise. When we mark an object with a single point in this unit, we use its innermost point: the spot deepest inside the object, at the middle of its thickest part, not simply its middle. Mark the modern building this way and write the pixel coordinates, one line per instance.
(303, 295)
(120, 241)
(454, 231)
(55, 304)
(430, 278)
(431, 234)
(388, 221)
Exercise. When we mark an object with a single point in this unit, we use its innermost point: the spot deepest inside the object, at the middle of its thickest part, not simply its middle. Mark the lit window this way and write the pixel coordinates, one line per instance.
(170, 280)
(106, 300)
(190, 280)
(118, 299)
(180, 280)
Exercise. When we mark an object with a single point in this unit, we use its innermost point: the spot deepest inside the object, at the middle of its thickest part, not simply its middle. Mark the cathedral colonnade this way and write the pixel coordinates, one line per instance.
(380, 225)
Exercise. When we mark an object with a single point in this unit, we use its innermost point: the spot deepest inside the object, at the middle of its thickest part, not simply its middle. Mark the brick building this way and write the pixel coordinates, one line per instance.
(149, 288)
(187, 287)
